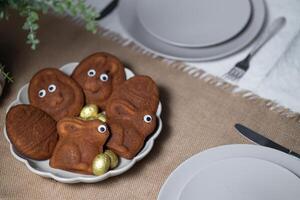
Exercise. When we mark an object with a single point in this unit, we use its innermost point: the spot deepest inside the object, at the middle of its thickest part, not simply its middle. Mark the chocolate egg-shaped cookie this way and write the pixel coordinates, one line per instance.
(98, 75)
(55, 93)
(31, 131)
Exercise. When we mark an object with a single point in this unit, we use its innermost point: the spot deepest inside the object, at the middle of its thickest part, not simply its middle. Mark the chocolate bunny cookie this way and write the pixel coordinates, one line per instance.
(131, 115)
(55, 93)
(98, 75)
(79, 143)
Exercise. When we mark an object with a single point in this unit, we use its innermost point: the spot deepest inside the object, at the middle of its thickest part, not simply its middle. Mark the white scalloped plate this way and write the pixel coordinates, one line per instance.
(42, 168)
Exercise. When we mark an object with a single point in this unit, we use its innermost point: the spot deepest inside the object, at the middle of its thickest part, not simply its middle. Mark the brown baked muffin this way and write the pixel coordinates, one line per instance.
(79, 143)
(131, 115)
(31, 131)
(98, 75)
(55, 93)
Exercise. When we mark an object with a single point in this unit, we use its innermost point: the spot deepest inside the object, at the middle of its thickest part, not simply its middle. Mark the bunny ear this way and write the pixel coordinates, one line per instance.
(68, 125)
(121, 109)
(114, 67)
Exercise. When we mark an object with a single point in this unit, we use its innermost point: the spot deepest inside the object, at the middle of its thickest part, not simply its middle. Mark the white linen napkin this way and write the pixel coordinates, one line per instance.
(282, 82)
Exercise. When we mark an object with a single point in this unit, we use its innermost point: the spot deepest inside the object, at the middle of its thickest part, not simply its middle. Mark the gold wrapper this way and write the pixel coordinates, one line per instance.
(114, 160)
(89, 111)
(101, 164)
(101, 117)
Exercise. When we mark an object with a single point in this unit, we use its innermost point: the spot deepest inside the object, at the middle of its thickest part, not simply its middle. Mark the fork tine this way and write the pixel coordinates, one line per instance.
(241, 75)
(238, 71)
(230, 74)
(227, 76)
(234, 74)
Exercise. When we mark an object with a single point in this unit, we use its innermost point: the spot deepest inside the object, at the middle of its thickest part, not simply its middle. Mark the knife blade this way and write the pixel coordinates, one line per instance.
(262, 140)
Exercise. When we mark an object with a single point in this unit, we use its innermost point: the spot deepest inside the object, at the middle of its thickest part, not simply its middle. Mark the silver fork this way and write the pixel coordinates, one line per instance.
(240, 68)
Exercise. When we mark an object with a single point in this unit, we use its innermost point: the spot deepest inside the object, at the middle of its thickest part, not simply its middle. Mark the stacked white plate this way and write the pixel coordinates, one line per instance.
(192, 30)
(235, 172)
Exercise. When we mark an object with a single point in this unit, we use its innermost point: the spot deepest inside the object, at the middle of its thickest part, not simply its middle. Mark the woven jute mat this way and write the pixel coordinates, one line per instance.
(196, 115)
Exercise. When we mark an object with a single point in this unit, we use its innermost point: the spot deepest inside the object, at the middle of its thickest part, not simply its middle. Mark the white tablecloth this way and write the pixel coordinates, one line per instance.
(275, 70)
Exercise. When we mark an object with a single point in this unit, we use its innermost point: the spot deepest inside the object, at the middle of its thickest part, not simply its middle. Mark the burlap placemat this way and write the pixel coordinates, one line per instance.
(196, 115)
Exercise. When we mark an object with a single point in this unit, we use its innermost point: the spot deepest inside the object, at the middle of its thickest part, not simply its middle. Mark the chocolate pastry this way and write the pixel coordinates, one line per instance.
(141, 91)
(79, 143)
(31, 131)
(98, 75)
(131, 115)
(55, 93)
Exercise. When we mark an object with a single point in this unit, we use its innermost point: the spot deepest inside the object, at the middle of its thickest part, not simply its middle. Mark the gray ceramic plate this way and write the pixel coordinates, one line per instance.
(129, 20)
(208, 168)
(194, 23)
(42, 168)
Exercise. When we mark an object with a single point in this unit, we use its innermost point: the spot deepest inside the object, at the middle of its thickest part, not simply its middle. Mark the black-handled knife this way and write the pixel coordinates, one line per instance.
(261, 140)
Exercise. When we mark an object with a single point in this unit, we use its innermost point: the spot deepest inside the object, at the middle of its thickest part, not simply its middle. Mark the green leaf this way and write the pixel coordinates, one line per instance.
(30, 8)
(6, 75)
(33, 16)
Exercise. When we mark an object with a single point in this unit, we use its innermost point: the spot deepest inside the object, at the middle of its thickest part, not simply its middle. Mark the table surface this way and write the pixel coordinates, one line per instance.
(206, 121)
(275, 70)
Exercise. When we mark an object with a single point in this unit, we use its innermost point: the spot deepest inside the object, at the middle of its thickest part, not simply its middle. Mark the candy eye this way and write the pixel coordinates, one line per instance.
(104, 77)
(42, 93)
(91, 73)
(52, 88)
(147, 118)
(101, 128)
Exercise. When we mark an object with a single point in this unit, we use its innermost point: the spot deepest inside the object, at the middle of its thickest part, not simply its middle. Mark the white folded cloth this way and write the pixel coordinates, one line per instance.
(282, 82)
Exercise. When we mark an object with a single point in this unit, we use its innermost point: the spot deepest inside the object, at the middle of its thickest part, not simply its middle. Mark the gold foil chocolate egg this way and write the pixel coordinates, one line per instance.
(90, 110)
(101, 164)
(101, 117)
(90, 118)
(114, 160)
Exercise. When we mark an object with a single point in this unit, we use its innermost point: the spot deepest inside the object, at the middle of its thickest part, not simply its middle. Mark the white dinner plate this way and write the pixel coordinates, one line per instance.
(127, 11)
(194, 23)
(42, 168)
(235, 170)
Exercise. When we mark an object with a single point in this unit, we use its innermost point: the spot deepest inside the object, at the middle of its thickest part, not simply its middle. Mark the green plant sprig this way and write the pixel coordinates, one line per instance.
(30, 8)
(6, 74)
